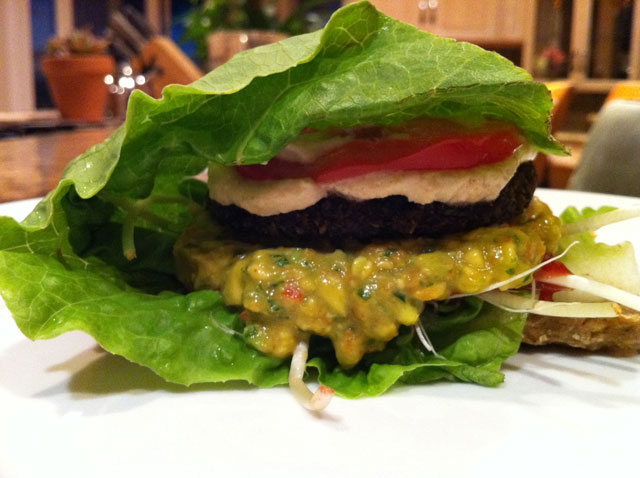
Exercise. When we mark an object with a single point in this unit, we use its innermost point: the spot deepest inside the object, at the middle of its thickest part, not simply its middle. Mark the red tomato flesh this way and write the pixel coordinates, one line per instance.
(292, 291)
(547, 291)
(366, 155)
(553, 269)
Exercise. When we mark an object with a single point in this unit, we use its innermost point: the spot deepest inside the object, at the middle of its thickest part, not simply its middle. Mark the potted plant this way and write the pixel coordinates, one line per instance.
(222, 28)
(75, 67)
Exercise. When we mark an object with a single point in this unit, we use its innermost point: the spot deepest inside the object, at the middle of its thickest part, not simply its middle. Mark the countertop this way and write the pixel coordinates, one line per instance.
(30, 166)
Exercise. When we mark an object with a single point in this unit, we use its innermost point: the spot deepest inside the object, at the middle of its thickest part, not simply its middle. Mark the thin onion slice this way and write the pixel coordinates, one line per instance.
(516, 277)
(605, 291)
(572, 295)
(596, 222)
(425, 340)
(311, 401)
(518, 304)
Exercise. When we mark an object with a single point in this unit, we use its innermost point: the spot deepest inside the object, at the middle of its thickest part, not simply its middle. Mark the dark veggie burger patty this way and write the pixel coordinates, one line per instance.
(338, 221)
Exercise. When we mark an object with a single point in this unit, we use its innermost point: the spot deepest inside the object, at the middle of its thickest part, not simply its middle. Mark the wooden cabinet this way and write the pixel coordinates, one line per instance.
(485, 22)
(463, 19)
(510, 25)
(406, 11)
(593, 42)
(599, 39)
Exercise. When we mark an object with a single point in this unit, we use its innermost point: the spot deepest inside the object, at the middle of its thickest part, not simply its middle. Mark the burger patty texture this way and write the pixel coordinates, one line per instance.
(338, 220)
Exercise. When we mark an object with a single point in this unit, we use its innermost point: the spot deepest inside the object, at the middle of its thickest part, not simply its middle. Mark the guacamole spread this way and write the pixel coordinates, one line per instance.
(357, 298)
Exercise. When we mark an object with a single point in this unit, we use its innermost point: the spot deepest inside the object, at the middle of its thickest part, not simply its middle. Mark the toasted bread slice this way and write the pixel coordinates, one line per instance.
(617, 336)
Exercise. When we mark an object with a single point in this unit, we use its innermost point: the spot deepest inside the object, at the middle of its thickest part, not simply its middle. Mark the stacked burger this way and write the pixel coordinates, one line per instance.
(370, 207)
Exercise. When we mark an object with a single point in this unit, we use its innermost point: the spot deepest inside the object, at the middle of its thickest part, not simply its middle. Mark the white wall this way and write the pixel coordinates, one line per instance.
(17, 91)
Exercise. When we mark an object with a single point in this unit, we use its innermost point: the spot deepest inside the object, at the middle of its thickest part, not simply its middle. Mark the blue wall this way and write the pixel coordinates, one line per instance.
(43, 27)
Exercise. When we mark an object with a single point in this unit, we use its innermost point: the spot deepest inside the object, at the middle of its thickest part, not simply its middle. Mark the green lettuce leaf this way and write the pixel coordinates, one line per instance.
(63, 269)
(615, 264)
(194, 338)
(363, 68)
(184, 338)
(473, 341)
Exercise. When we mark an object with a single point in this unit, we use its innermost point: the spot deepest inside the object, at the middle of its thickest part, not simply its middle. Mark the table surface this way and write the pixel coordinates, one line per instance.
(30, 166)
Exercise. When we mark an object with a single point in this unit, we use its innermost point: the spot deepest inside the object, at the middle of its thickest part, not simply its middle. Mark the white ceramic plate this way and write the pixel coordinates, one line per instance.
(68, 409)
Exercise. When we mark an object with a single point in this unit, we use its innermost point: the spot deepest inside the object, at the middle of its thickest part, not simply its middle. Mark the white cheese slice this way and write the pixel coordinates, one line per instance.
(266, 198)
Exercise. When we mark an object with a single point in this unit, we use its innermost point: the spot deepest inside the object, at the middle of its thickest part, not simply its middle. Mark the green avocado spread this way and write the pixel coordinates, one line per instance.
(357, 298)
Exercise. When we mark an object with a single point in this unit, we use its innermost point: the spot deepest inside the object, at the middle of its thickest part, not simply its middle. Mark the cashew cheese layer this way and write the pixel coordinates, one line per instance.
(266, 198)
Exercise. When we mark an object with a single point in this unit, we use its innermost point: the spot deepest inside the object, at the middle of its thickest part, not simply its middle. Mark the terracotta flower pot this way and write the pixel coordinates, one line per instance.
(77, 84)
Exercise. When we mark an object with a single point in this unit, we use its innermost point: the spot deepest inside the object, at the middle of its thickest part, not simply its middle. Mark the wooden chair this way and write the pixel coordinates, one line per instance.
(561, 93)
(560, 170)
(610, 161)
(624, 90)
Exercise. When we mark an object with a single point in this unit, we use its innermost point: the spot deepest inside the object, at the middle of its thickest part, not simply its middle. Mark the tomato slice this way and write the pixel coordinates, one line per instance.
(553, 269)
(366, 155)
(546, 291)
(448, 153)
(274, 170)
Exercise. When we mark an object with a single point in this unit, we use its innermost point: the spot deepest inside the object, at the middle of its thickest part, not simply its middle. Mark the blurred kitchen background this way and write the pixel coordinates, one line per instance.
(587, 51)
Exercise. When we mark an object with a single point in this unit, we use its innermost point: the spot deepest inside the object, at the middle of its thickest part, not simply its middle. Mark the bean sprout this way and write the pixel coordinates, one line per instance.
(311, 401)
